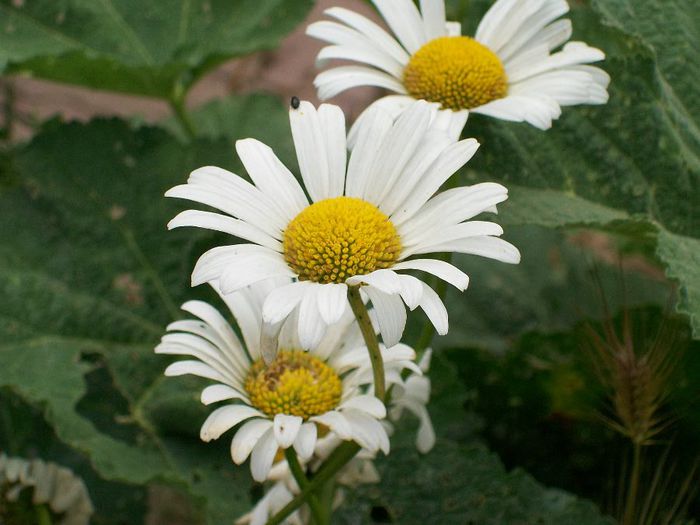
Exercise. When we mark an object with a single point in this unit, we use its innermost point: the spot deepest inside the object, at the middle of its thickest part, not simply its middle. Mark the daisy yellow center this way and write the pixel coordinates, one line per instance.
(295, 383)
(456, 71)
(337, 238)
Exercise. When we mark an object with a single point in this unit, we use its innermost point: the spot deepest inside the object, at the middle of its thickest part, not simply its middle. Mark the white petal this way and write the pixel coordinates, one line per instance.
(452, 159)
(491, 247)
(216, 393)
(538, 111)
(310, 146)
(573, 53)
(425, 439)
(386, 281)
(411, 291)
(215, 320)
(435, 310)
(306, 441)
(367, 431)
(391, 105)
(360, 53)
(434, 21)
(441, 269)
(375, 34)
(247, 437)
(366, 403)
(425, 242)
(231, 194)
(532, 30)
(503, 20)
(427, 152)
(453, 28)
(338, 79)
(195, 368)
(335, 421)
(398, 148)
(370, 129)
(390, 313)
(224, 418)
(332, 123)
(225, 224)
(452, 207)
(263, 455)
(405, 21)
(213, 263)
(281, 301)
(286, 429)
(269, 341)
(332, 302)
(245, 270)
(188, 344)
(567, 86)
(424, 363)
(451, 122)
(311, 325)
(272, 176)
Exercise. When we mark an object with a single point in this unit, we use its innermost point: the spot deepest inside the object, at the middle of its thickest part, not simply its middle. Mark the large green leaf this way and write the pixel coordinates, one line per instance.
(137, 47)
(636, 158)
(459, 481)
(89, 275)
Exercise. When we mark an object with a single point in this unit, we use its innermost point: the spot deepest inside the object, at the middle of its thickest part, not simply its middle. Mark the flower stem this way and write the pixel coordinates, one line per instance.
(303, 482)
(631, 503)
(333, 464)
(375, 354)
(43, 517)
(177, 104)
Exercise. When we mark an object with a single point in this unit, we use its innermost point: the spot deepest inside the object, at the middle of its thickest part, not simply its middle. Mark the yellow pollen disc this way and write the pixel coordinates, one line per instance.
(456, 71)
(337, 238)
(295, 383)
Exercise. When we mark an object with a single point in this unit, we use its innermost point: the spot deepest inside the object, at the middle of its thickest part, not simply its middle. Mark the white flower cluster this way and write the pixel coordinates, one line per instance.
(63, 493)
(321, 268)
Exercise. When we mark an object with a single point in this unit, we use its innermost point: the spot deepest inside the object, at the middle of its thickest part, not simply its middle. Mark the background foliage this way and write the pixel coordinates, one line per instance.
(89, 277)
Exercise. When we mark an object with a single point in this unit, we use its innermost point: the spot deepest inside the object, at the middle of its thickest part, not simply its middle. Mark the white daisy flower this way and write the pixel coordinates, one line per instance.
(271, 503)
(360, 470)
(413, 395)
(280, 405)
(364, 223)
(507, 70)
(57, 487)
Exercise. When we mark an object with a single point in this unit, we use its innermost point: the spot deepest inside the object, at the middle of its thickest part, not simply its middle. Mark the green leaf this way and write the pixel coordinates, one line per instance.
(48, 371)
(236, 118)
(90, 277)
(552, 289)
(634, 160)
(136, 47)
(682, 257)
(459, 482)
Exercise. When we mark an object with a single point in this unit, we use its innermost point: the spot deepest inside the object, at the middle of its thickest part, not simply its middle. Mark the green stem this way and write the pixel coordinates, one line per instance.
(375, 354)
(330, 468)
(177, 104)
(43, 517)
(631, 503)
(326, 496)
(303, 482)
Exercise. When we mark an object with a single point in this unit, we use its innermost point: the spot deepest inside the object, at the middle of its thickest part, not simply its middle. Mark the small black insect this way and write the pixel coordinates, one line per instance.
(294, 102)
